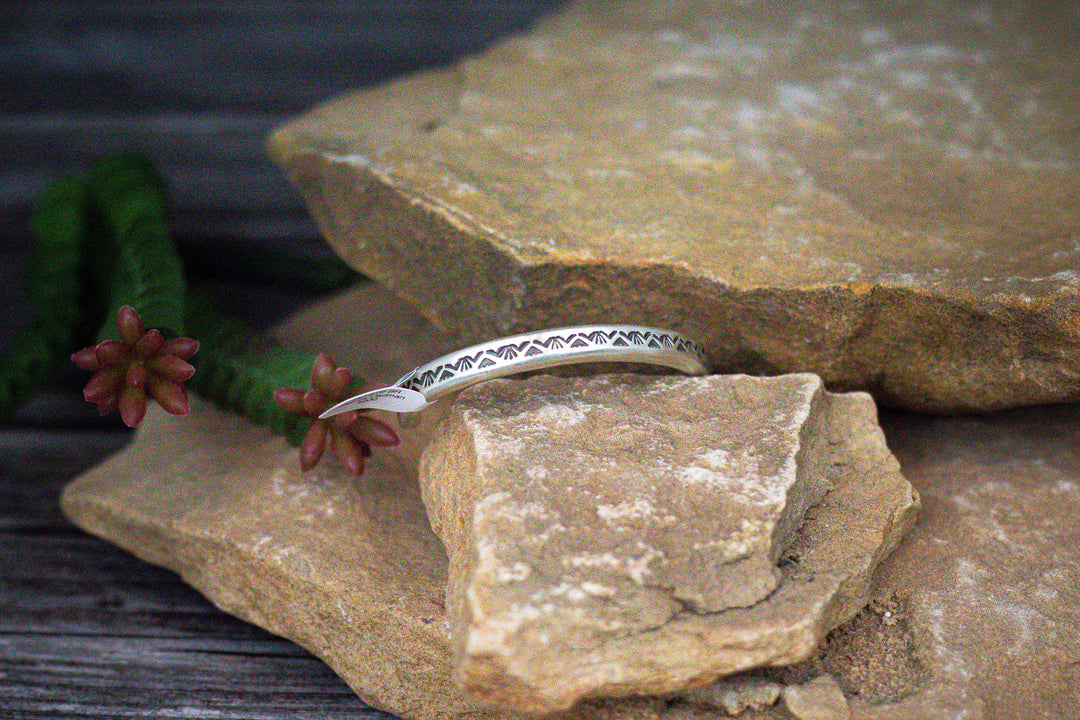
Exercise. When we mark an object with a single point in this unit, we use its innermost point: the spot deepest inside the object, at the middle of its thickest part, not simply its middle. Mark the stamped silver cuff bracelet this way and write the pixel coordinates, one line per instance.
(531, 351)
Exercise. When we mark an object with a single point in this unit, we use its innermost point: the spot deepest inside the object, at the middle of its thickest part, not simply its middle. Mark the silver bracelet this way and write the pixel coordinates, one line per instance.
(531, 351)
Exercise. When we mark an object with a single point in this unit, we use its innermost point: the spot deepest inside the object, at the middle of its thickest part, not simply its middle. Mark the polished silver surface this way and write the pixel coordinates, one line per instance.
(539, 350)
(550, 348)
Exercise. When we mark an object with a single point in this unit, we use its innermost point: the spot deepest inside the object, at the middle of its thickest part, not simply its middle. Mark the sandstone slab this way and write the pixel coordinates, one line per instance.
(886, 195)
(973, 616)
(990, 578)
(620, 534)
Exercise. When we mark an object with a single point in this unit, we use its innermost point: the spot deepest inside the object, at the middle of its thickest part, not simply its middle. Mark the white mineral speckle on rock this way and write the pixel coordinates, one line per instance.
(682, 70)
(638, 567)
(1022, 617)
(670, 36)
(483, 441)
(537, 472)
(355, 159)
(570, 591)
(738, 543)
(723, 44)
(343, 610)
(1045, 593)
(912, 78)
(1065, 487)
(558, 417)
(516, 572)
(635, 509)
(730, 471)
(597, 589)
(955, 664)
(489, 632)
(590, 559)
(688, 132)
(797, 97)
(875, 35)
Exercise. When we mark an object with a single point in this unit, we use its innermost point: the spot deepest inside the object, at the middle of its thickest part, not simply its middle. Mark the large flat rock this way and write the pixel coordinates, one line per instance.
(887, 196)
(974, 615)
(619, 535)
(990, 578)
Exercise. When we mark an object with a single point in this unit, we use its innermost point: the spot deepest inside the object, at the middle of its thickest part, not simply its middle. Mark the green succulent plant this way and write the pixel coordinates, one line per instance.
(103, 250)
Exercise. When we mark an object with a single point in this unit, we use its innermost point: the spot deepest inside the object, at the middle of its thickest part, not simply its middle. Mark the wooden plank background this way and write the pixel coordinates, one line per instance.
(87, 631)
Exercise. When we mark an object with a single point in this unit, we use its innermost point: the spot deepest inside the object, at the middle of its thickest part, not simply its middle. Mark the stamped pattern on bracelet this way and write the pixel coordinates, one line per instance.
(510, 352)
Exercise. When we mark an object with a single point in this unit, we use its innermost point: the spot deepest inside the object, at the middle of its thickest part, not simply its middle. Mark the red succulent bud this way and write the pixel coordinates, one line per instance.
(351, 434)
(142, 365)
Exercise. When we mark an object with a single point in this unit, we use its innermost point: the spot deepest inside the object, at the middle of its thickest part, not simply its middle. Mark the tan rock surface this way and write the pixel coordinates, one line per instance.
(976, 612)
(819, 699)
(886, 195)
(620, 535)
(736, 695)
(707, 479)
(990, 578)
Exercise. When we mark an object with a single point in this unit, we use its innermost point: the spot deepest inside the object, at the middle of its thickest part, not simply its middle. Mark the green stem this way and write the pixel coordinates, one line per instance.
(53, 285)
(239, 370)
(146, 273)
(106, 244)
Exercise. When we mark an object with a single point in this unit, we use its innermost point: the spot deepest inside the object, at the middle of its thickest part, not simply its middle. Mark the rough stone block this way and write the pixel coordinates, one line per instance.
(605, 532)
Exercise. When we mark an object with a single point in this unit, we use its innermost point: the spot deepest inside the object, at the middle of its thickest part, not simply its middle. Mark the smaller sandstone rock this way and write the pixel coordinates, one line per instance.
(687, 489)
(621, 534)
(819, 699)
